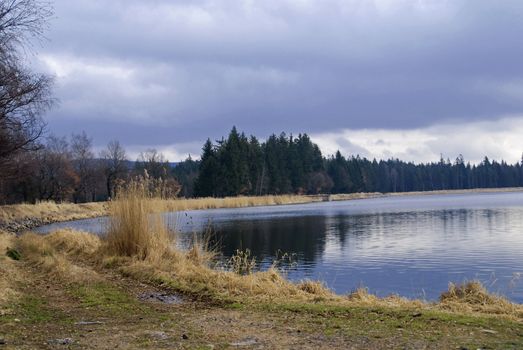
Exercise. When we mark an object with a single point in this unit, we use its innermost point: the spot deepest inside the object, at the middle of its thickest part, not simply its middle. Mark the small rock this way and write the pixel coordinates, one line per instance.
(185, 336)
(64, 341)
(490, 331)
(245, 342)
(416, 314)
(16, 320)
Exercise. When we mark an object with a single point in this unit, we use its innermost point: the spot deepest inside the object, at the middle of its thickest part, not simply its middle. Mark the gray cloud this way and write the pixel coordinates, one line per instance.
(165, 72)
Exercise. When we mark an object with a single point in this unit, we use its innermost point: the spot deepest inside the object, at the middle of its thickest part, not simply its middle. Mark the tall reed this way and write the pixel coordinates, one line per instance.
(134, 227)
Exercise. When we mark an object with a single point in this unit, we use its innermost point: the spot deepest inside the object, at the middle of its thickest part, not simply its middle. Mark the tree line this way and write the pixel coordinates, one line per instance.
(241, 165)
(62, 169)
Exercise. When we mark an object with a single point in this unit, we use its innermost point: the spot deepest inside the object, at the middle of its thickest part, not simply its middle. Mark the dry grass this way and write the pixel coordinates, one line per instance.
(465, 191)
(192, 274)
(316, 288)
(134, 230)
(242, 262)
(147, 252)
(473, 297)
(139, 245)
(70, 242)
(23, 216)
(29, 215)
(50, 253)
(48, 212)
(8, 273)
(201, 252)
(352, 196)
(230, 202)
(361, 296)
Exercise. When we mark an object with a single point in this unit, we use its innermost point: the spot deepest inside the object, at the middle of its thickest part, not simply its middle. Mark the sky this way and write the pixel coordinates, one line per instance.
(409, 79)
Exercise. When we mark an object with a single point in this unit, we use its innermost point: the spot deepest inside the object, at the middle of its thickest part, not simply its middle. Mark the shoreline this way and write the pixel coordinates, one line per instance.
(43, 277)
(109, 293)
(16, 218)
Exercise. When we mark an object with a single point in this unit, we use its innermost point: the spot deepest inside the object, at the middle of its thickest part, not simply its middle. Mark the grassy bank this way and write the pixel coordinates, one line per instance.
(67, 279)
(51, 285)
(18, 217)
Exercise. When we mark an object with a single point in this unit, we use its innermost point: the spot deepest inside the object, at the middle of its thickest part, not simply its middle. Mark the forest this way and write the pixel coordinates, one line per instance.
(62, 169)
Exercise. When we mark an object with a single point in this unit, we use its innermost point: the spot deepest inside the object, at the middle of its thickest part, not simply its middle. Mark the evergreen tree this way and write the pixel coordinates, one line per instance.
(206, 182)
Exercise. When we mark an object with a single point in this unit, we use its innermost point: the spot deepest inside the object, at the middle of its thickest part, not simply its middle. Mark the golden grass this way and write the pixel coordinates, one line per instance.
(464, 191)
(195, 276)
(473, 297)
(242, 262)
(50, 253)
(352, 196)
(134, 230)
(8, 273)
(230, 202)
(48, 212)
(147, 252)
(315, 288)
(361, 296)
(139, 245)
(77, 243)
(29, 215)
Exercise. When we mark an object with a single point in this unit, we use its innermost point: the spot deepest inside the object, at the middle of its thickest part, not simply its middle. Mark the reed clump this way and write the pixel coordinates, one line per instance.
(472, 296)
(201, 252)
(242, 262)
(135, 230)
(316, 288)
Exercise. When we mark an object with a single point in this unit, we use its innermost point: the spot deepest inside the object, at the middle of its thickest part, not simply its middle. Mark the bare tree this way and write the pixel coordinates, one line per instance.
(84, 165)
(24, 95)
(115, 166)
(57, 178)
(24, 186)
(152, 167)
(154, 162)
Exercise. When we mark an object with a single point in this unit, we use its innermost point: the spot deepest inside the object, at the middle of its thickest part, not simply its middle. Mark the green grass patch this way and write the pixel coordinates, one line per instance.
(34, 309)
(402, 324)
(106, 298)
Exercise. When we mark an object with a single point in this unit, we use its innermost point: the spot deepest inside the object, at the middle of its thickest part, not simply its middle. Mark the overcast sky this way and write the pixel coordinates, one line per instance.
(384, 78)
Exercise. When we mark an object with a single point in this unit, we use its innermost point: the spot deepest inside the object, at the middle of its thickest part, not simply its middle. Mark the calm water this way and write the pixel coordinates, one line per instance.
(412, 245)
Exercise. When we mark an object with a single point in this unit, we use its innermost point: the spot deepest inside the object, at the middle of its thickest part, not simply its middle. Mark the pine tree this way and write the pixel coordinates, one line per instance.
(206, 182)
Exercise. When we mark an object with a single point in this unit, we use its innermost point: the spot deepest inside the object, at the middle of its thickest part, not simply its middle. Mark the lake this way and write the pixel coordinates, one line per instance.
(407, 245)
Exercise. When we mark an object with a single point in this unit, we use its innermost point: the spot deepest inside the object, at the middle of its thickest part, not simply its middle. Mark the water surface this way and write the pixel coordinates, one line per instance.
(409, 245)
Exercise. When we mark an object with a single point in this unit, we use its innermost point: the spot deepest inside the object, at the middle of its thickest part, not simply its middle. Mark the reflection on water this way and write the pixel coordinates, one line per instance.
(412, 246)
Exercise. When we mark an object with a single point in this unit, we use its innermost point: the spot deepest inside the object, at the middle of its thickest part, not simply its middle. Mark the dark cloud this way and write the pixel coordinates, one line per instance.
(161, 72)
